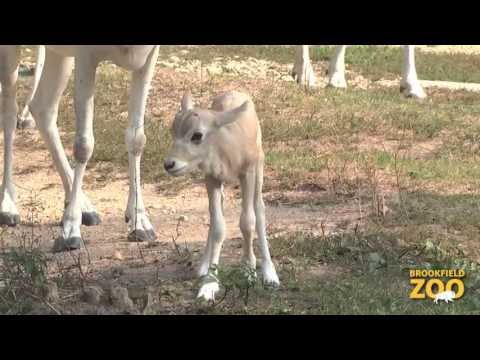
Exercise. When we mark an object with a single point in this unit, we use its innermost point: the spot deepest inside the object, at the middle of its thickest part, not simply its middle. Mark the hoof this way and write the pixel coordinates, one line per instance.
(271, 285)
(142, 236)
(91, 219)
(25, 124)
(9, 219)
(62, 245)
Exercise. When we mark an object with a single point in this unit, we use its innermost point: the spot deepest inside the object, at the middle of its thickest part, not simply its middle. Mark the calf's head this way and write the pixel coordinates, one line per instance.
(195, 135)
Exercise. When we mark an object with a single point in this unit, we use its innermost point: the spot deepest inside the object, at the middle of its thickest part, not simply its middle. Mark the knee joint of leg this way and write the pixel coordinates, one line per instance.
(83, 148)
(136, 140)
(247, 221)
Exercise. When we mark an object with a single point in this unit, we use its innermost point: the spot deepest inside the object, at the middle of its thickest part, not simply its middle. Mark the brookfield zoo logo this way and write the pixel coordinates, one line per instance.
(429, 284)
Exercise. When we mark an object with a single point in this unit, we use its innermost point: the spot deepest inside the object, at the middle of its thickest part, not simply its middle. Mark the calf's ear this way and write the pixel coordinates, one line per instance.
(187, 101)
(233, 115)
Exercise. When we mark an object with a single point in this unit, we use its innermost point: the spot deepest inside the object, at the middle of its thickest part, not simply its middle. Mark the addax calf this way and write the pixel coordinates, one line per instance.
(225, 143)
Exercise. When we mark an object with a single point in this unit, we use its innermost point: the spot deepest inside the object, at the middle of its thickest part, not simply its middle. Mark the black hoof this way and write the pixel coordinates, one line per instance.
(91, 219)
(25, 124)
(9, 219)
(62, 245)
(142, 236)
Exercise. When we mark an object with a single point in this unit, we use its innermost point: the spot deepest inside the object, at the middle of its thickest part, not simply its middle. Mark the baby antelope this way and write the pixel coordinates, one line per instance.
(225, 143)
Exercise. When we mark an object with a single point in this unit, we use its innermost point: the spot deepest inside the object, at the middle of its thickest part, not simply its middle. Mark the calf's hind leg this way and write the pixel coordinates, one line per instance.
(247, 217)
(269, 273)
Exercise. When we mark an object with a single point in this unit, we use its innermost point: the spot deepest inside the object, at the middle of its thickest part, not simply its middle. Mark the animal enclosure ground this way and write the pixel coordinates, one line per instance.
(361, 185)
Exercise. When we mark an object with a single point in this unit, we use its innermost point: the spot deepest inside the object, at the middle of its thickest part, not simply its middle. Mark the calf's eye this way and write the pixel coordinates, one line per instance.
(197, 138)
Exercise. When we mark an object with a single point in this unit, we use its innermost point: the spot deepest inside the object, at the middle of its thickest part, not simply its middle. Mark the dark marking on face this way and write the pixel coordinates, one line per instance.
(184, 122)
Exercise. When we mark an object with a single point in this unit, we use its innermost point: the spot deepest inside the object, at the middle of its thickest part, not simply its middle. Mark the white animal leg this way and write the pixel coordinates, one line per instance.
(139, 226)
(336, 72)
(9, 59)
(216, 236)
(302, 70)
(85, 69)
(25, 119)
(247, 217)
(269, 273)
(44, 108)
(409, 85)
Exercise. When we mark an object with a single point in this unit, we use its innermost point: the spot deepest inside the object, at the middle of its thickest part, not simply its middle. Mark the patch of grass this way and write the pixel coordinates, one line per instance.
(23, 274)
(370, 277)
(373, 276)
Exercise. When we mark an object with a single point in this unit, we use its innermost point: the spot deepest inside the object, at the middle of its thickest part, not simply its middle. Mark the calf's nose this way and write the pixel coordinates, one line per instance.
(169, 165)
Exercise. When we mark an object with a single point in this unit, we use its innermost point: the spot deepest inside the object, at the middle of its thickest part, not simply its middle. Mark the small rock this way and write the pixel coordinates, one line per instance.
(152, 300)
(136, 292)
(93, 294)
(117, 255)
(119, 297)
(375, 261)
(183, 218)
(50, 292)
(374, 257)
(118, 271)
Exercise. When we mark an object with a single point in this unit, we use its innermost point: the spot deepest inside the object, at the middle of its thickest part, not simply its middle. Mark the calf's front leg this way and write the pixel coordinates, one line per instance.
(216, 236)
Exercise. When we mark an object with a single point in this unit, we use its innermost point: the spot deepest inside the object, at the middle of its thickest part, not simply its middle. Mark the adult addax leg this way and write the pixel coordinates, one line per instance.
(302, 70)
(85, 70)
(25, 119)
(9, 60)
(336, 72)
(44, 108)
(409, 85)
(139, 226)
